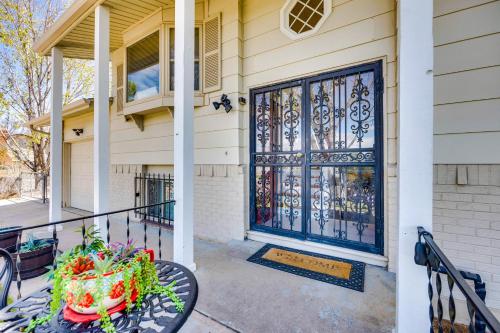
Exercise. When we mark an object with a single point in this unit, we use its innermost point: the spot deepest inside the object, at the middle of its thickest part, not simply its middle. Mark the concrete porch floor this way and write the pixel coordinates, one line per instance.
(238, 296)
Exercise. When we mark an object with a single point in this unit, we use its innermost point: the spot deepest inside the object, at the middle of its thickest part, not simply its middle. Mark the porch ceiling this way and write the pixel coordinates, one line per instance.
(73, 32)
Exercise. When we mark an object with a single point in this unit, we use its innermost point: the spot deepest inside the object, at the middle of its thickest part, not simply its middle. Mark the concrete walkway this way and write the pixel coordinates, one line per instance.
(238, 296)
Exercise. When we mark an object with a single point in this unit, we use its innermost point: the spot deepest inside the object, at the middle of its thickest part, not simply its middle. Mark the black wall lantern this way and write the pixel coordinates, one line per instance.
(78, 131)
(224, 101)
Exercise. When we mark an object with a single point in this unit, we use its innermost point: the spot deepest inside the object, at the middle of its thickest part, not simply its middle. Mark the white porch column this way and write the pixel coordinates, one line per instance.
(183, 129)
(56, 106)
(101, 116)
(415, 57)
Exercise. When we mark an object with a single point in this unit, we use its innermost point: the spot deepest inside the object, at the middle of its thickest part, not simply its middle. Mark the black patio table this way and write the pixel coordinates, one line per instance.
(156, 314)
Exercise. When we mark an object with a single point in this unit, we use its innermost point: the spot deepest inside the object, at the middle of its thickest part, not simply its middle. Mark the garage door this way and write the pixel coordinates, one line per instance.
(82, 180)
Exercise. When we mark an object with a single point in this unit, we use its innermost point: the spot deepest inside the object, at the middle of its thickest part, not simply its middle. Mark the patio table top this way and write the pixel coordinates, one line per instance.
(157, 313)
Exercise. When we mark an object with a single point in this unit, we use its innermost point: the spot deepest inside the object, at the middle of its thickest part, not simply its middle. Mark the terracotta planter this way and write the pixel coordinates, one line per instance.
(9, 239)
(34, 263)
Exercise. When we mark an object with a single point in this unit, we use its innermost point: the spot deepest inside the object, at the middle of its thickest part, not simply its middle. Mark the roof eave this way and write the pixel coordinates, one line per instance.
(76, 108)
(77, 12)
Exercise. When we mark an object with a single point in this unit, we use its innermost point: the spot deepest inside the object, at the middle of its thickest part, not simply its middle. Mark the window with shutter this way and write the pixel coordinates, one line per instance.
(119, 88)
(212, 53)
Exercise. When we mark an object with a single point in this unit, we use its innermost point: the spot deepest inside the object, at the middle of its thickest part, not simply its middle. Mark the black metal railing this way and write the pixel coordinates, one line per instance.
(85, 222)
(150, 188)
(428, 253)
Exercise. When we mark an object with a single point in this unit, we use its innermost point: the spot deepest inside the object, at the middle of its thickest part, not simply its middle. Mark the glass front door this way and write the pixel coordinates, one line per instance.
(316, 151)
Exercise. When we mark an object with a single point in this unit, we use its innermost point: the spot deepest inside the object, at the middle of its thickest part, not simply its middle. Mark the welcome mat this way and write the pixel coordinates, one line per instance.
(341, 272)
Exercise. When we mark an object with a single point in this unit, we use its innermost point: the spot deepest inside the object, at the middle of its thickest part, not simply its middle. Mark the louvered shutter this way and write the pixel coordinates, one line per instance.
(119, 89)
(212, 53)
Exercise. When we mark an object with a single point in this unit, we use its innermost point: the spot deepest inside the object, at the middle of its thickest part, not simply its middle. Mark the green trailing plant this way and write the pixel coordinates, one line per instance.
(136, 270)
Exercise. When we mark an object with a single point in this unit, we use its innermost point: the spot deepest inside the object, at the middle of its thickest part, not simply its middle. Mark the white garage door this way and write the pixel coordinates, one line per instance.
(82, 180)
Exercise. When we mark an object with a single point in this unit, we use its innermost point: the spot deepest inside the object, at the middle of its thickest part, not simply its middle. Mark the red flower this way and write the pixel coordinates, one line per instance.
(117, 290)
(87, 301)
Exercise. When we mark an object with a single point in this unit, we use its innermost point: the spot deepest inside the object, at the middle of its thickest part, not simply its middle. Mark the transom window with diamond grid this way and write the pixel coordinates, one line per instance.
(305, 15)
(300, 18)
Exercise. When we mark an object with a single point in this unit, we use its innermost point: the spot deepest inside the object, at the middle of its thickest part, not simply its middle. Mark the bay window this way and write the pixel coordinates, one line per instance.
(149, 68)
(143, 68)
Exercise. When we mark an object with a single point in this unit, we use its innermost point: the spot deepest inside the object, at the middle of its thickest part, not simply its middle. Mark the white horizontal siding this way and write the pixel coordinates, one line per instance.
(467, 81)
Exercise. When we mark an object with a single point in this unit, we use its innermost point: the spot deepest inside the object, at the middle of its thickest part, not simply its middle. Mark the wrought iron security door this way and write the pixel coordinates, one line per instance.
(316, 156)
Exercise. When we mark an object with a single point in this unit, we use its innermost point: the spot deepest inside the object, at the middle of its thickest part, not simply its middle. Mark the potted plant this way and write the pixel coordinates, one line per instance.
(36, 255)
(97, 280)
(8, 239)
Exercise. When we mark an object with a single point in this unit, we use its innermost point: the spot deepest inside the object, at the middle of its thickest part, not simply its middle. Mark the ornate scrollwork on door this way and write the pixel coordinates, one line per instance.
(321, 115)
(322, 200)
(291, 197)
(263, 195)
(291, 118)
(360, 108)
(263, 121)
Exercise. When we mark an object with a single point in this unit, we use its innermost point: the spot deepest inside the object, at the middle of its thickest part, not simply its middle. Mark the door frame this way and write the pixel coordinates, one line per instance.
(378, 247)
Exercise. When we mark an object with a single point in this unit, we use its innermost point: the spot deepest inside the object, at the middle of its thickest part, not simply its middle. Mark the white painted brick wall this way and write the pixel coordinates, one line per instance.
(122, 185)
(219, 202)
(467, 221)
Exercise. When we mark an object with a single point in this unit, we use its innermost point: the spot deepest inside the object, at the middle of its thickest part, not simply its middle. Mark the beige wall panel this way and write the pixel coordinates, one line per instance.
(255, 9)
(232, 66)
(156, 130)
(391, 100)
(230, 85)
(226, 7)
(467, 148)
(356, 55)
(230, 30)
(346, 37)
(216, 121)
(159, 157)
(442, 7)
(467, 86)
(231, 48)
(478, 116)
(143, 145)
(85, 121)
(227, 155)
(217, 139)
(342, 15)
(119, 123)
(81, 175)
(458, 26)
(468, 54)
(391, 74)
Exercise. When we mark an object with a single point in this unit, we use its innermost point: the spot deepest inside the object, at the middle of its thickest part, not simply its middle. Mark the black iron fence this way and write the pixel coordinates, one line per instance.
(122, 220)
(151, 188)
(480, 318)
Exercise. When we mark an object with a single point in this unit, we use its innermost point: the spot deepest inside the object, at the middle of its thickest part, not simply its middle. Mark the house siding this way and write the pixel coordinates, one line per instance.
(466, 135)
(466, 81)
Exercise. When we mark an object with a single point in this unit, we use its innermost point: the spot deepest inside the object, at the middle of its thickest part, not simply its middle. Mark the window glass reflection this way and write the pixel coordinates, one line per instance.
(143, 68)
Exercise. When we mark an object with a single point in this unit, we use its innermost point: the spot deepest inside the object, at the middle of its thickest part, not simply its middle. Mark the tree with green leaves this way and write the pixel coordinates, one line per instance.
(25, 79)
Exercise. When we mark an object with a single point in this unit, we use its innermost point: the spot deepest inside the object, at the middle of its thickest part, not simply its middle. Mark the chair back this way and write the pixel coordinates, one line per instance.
(6, 272)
